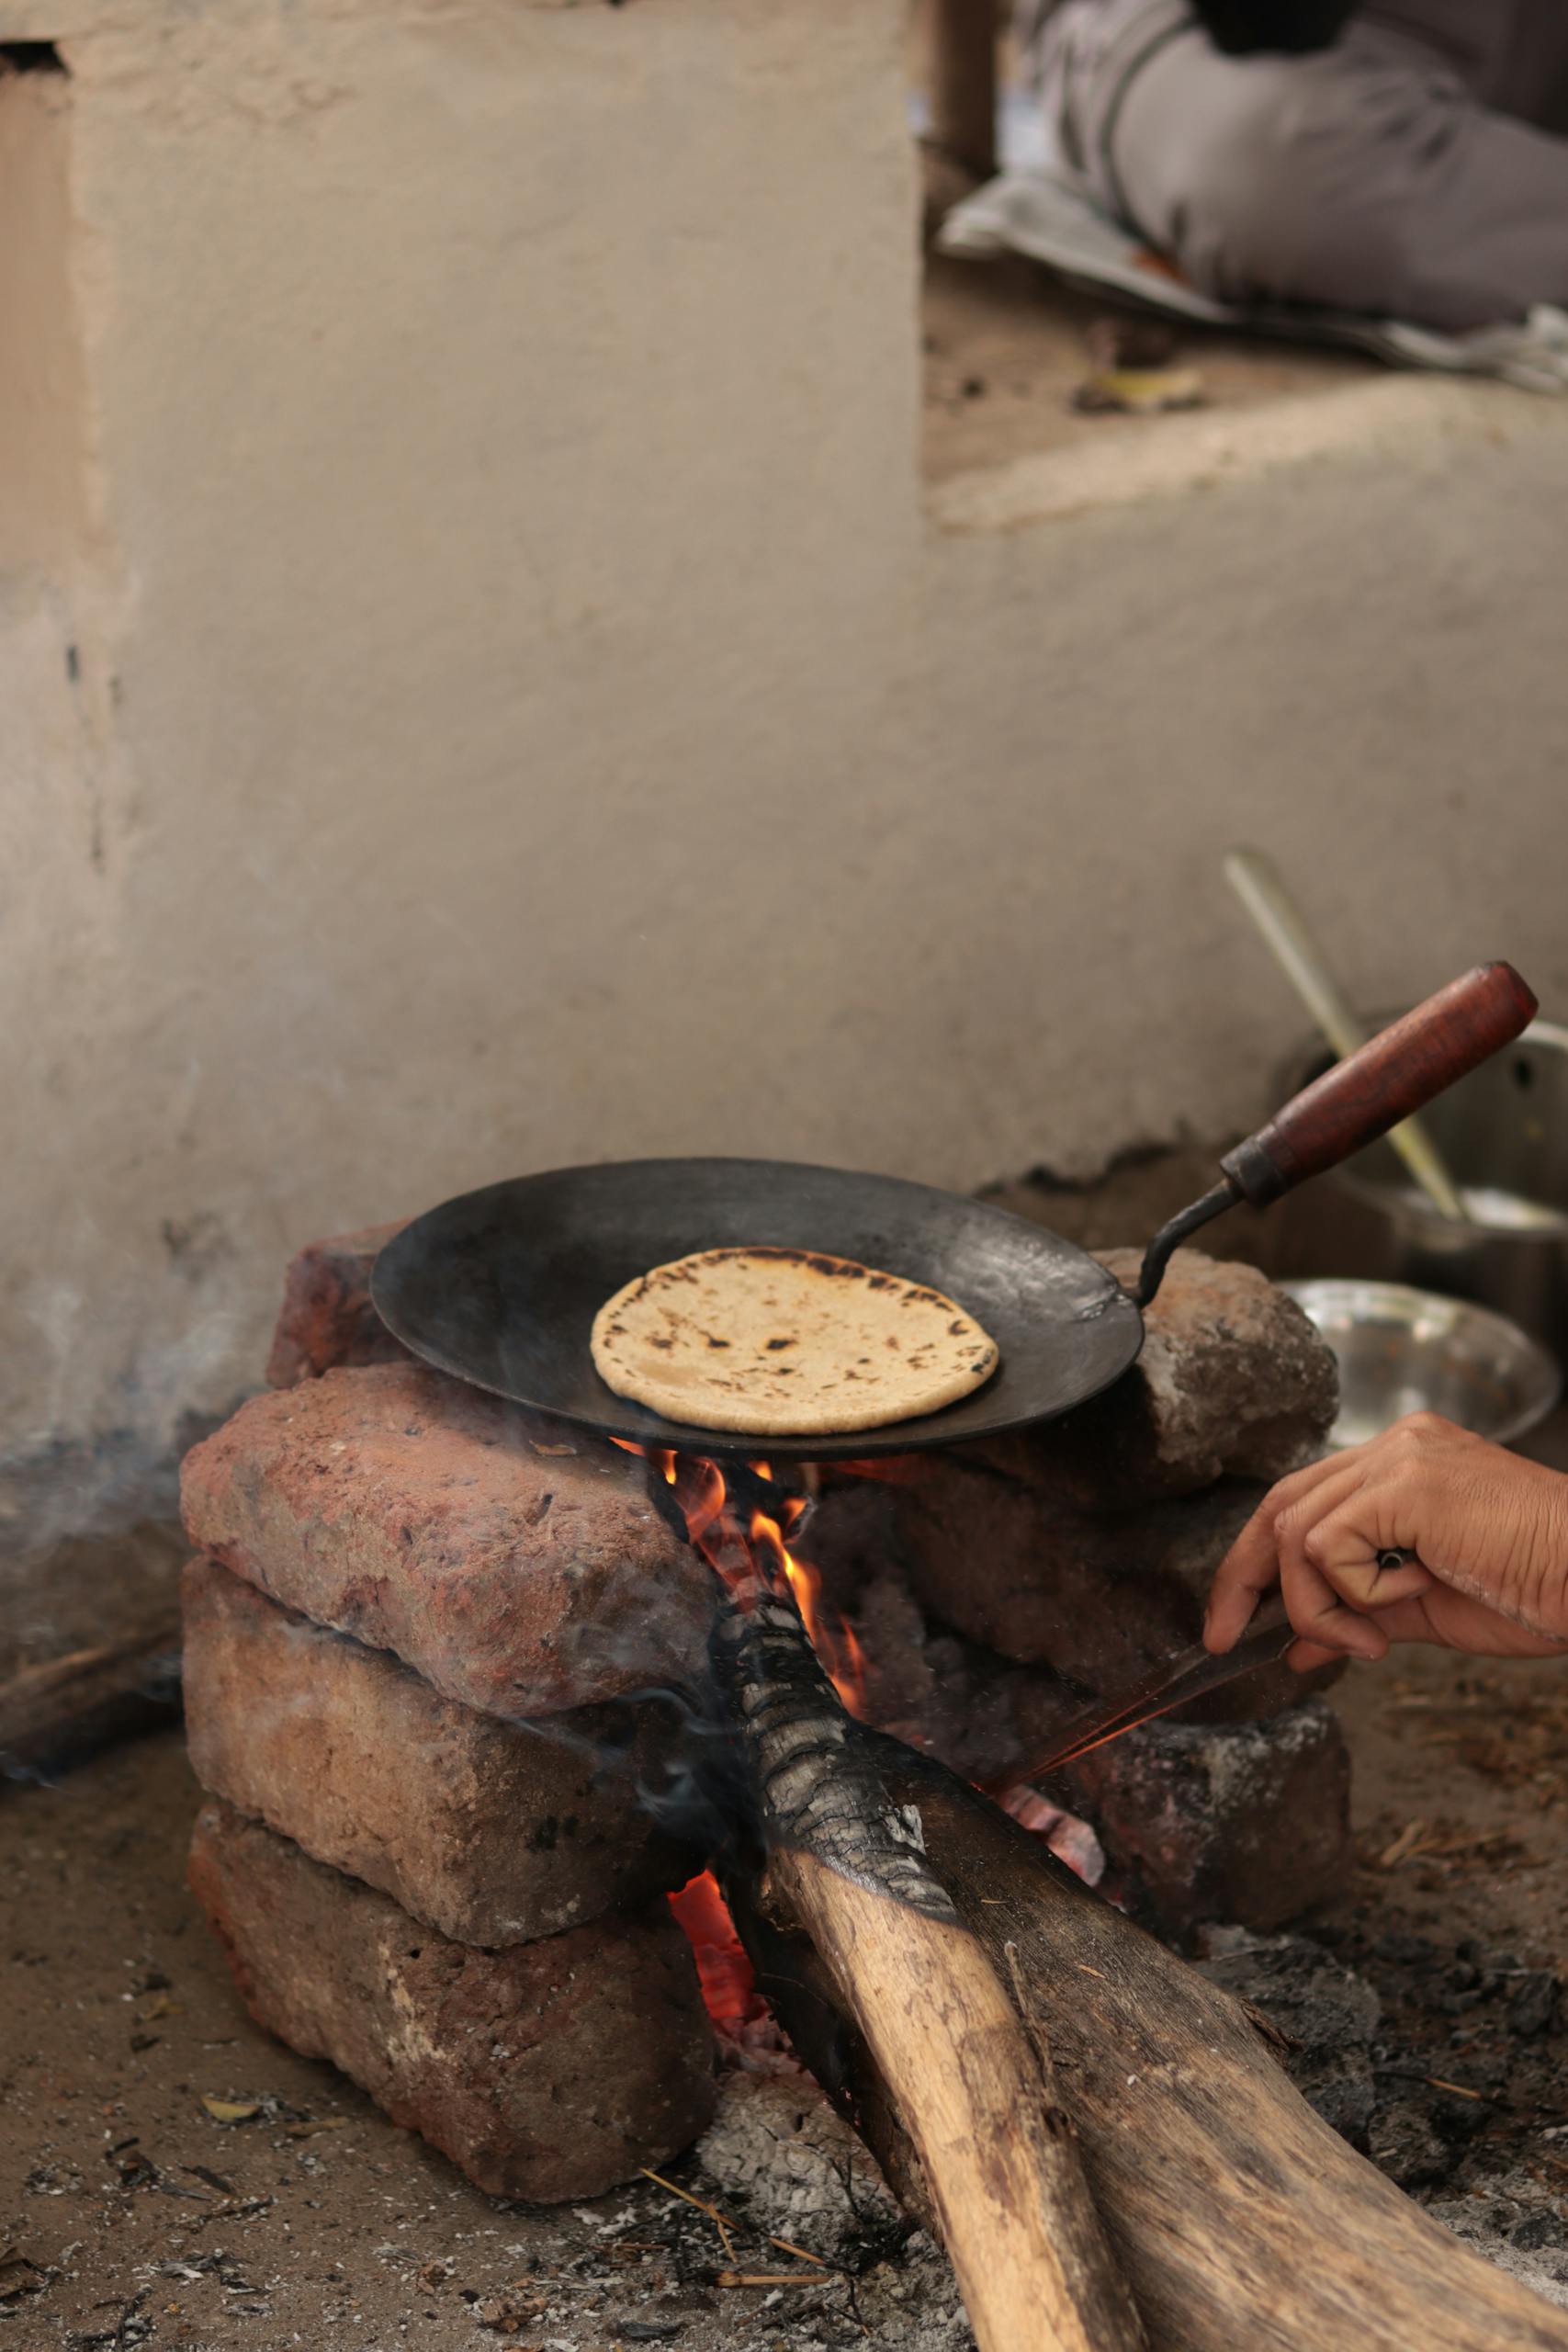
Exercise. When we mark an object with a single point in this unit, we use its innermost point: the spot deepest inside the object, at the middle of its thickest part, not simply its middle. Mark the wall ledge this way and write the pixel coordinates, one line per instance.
(1201, 449)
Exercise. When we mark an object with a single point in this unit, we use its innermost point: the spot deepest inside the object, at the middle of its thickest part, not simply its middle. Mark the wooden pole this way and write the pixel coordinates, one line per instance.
(963, 82)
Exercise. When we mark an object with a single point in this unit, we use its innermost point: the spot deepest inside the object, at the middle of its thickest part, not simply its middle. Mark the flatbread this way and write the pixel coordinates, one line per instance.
(786, 1343)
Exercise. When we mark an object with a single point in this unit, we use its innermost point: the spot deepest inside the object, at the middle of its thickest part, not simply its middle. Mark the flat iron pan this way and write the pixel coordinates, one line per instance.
(501, 1287)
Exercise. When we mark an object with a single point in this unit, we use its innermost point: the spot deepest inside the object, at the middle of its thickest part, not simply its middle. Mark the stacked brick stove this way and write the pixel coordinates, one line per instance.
(420, 1631)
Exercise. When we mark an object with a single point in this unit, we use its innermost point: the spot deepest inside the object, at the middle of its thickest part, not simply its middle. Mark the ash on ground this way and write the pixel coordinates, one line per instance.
(1444, 2066)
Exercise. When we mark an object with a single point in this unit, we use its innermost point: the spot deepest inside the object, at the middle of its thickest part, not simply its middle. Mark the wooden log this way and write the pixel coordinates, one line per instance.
(65, 1706)
(1001, 2166)
(1237, 2215)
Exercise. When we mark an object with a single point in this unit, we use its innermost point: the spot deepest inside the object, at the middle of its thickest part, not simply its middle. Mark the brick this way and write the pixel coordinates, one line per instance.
(493, 1832)
(515, 1564)
(549, 2070)
(1249, 1822)
(1029, 1576)
(326, 1318)
(1101, 1597)
(1026, 1573)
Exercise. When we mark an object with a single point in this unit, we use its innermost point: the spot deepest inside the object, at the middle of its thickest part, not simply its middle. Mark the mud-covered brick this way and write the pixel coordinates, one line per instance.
(516, 1564)
(548, 2071)
(1105, 1600)
(326, 1318)
(493, 1832)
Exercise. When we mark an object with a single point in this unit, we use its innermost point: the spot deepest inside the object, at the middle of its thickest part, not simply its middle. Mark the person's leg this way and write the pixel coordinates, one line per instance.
(1366, 178)
(1512, 54)
(1527, 74)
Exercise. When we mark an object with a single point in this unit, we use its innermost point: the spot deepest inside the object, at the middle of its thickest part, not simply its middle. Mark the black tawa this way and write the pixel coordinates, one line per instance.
(501, 1287)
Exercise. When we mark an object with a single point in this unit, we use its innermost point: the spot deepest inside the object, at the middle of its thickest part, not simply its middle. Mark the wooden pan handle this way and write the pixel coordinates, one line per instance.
(1394, 1074)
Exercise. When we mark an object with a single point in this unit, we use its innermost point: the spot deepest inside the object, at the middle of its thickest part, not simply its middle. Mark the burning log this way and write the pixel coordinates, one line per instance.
(1021, 2226)
(999, 2159)
(887, 1906)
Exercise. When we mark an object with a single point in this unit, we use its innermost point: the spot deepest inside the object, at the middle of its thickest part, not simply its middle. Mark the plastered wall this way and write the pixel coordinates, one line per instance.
(489, 691)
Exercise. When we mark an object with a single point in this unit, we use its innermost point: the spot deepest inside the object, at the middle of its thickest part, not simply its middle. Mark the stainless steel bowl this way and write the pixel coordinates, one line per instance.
(1401, 1351)
(1504, 1132)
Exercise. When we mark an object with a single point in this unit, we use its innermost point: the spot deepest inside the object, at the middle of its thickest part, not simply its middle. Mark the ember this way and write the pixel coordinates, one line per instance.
(725, 1974)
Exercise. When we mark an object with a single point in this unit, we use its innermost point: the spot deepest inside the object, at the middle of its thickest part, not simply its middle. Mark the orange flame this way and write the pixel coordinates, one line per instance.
(759, 1555)
(834, 1642)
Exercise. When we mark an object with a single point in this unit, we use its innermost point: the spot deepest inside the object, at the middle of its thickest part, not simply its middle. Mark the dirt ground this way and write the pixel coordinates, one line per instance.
(131, 2214)
(1005, 347)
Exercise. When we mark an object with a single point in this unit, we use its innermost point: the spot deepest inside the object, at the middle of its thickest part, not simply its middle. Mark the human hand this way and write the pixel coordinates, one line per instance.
(1488, 1531)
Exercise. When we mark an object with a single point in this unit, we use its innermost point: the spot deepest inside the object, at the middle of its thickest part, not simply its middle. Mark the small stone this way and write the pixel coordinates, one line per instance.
(517, 1565)
(1247, 1823)
(1533, 2007)
(326, 1318)
(493, 1832)
(554, 2070)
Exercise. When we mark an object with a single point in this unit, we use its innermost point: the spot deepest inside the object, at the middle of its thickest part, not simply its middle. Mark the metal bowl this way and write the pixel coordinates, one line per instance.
(1504, 1132)
(1401, 1351)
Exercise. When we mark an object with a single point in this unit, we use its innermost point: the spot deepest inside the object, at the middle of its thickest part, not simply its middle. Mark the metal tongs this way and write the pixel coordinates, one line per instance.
(1190, 1674)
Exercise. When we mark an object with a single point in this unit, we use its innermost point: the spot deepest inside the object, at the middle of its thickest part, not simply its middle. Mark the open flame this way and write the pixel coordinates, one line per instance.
(754, 1553)
(748, 1557)
(747, 1548)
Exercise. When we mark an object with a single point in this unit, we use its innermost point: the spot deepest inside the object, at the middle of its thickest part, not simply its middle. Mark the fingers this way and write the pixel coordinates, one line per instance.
(1331, 1572)
(1318, 1535)
(1250, 1567)
(1305, 1657)
(1317, 1611)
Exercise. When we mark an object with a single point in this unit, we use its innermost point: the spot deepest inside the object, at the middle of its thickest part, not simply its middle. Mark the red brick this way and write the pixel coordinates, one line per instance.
(326, 1318)
(1098, 1599)
(493, 1832)
(516, 1564)
(549, 2070)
